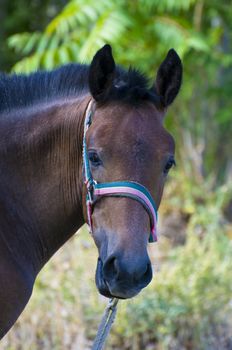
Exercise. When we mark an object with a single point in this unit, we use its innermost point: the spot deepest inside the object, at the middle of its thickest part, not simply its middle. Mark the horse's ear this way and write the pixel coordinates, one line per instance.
(101, 73)
(169, 77)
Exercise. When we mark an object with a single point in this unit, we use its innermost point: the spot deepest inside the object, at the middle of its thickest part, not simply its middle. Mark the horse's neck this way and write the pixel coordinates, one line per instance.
(41, 182)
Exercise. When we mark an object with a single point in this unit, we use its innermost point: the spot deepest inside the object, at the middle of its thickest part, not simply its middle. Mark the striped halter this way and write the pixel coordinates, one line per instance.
(114, 189)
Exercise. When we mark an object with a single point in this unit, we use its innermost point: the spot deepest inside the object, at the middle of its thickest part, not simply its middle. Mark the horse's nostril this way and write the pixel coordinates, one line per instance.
(145, 276)
(110, 269)
(148, 274)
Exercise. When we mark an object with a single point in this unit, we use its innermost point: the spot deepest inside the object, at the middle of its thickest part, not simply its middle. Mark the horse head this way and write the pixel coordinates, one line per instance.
(127, 141)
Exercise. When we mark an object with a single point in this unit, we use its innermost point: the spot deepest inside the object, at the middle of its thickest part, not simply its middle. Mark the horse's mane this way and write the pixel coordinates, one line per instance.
(21, 90)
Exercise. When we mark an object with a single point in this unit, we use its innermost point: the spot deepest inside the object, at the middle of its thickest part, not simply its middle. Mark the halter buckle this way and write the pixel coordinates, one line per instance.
(90, 184)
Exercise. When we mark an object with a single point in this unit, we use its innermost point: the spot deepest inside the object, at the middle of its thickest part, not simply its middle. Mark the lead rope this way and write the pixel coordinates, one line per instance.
(106, 324)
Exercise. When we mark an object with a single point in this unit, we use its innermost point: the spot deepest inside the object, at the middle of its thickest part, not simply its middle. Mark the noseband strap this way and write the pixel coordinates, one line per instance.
(128, 189)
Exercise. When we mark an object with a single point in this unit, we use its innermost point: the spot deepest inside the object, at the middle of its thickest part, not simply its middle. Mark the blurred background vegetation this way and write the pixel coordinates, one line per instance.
(189, 303)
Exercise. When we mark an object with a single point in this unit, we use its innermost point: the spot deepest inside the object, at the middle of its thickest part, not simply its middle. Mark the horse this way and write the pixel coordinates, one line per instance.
(42, 178)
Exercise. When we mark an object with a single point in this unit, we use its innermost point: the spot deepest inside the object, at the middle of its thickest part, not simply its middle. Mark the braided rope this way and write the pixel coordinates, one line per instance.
(105, 325)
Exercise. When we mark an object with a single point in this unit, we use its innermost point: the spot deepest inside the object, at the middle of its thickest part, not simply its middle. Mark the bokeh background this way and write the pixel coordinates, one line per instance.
(189, 303)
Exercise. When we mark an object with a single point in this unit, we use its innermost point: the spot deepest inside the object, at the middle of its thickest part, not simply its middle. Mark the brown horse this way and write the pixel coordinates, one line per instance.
(42, 193)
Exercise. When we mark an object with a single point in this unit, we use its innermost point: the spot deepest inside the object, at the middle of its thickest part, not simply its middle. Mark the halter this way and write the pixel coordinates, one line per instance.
(129, 189)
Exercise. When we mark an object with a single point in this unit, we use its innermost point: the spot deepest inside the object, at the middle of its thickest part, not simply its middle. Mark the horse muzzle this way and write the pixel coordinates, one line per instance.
(122, 279)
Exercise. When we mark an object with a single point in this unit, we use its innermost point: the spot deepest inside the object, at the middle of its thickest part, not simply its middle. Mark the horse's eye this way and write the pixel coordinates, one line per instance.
(169, 164)
(94, 158)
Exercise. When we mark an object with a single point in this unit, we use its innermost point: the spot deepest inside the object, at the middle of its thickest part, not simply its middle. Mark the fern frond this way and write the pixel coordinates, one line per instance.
(75, 13)
(109, 27)
(173, 33)
(167, 5)
(24, 43)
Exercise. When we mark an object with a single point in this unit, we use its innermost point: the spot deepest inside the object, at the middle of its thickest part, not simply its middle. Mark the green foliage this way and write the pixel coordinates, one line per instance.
(168, 5)
(84, 26)
(141, 32)
(20, 16)
(74, 35)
